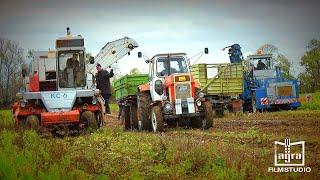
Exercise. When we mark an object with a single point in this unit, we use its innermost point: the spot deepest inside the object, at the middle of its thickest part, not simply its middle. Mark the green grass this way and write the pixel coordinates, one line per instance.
(237, 152)
(109, 154)
(6, 120)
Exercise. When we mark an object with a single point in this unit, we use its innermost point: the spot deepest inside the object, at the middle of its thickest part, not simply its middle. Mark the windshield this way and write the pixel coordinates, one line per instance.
(261, 63)
(71, 69)
(176, 65)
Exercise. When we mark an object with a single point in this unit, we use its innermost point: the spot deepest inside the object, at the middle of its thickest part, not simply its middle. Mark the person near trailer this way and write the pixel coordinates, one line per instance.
(103, 84)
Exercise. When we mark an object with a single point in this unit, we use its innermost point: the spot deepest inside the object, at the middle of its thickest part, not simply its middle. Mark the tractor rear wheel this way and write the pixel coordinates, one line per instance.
(126, 117)
(144, 110)
(207, 120)
(157, 119)
(32, 122)
(133, 116)
(88, 119)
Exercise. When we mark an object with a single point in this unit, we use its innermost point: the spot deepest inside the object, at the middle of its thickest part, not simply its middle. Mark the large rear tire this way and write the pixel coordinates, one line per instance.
(207, 121)
(157, 119)
(88, 119)
(126, 116)
(144, 110)
(133, 116)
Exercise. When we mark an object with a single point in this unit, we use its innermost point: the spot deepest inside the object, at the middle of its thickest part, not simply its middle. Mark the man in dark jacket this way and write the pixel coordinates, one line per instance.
(261, 65)
(103, 84)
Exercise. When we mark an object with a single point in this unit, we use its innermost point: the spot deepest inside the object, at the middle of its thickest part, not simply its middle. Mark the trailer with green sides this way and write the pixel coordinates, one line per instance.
(127, 86)
(221, 83)
(126, 91)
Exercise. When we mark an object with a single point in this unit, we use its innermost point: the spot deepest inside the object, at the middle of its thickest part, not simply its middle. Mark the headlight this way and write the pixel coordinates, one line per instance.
(23, 103)
(201, 94)
(164, 98)
(22, 90)
(198, 102)
(167, 108)
(94, 100)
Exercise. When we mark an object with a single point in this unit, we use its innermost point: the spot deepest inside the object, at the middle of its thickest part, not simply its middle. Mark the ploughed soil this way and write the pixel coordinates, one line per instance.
(243, 138)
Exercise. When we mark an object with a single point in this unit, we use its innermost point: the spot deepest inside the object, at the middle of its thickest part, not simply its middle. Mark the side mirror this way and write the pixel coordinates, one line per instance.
(91, 60)
(206, 50)
(147, 61)
(139, 54)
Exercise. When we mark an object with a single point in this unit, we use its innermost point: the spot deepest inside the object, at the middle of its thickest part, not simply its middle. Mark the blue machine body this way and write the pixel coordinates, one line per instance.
(264, 85)
(267, 87)
(235, 53)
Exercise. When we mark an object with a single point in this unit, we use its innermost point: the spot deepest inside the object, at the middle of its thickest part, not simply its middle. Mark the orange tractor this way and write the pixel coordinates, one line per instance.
(171, 97)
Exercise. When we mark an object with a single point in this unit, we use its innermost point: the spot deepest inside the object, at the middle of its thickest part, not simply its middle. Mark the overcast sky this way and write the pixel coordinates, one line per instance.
(165, 26)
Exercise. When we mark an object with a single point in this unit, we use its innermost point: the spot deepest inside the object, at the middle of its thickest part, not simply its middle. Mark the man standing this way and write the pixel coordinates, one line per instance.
(72, 70)
(73, 63)
(103, 83)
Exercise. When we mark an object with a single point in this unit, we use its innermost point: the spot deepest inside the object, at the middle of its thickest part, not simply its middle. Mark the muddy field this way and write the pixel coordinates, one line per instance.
(244, 139)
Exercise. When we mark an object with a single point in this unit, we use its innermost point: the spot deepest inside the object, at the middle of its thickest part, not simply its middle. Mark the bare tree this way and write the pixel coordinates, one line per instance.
(11, 60)
(134, 71)
(267, 49)
(282, 61)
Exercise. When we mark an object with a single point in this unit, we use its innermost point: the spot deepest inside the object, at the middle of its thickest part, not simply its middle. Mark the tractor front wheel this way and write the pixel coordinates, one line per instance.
(157, 119)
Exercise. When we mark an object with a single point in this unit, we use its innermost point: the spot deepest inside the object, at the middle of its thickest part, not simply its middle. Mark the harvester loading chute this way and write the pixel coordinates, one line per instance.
(235, 53)
(113, 51)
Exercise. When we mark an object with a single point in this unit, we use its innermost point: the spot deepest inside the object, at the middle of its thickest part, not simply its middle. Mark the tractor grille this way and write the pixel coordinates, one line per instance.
(284, 91)
(183, 91)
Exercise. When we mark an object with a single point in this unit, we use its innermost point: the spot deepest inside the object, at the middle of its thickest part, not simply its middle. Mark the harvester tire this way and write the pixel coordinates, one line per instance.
(89, 120)
(32, 122)
(157, 119)
(207, 121)
(144, 110)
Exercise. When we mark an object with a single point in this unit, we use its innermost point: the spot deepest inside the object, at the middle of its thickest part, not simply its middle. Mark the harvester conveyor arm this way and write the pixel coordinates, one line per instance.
(113, 51)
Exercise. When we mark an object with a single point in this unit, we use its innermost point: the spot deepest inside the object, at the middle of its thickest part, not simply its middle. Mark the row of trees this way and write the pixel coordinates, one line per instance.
(310, 78)
(11, 60)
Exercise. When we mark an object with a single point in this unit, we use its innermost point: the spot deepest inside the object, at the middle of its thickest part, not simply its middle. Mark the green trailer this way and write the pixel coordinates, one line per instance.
(127, 85)
(223, 88)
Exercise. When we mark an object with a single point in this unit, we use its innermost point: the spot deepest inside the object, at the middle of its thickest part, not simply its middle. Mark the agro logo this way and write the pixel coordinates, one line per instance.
(289, 157)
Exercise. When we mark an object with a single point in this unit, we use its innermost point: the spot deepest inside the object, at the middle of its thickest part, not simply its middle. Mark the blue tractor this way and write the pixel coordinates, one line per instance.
(265, 88)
